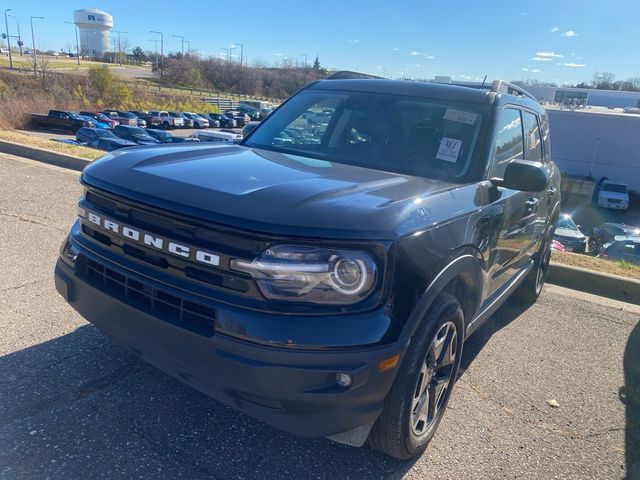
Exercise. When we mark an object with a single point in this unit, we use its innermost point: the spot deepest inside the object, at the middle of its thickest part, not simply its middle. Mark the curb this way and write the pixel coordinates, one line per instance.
(45, 156)
(596, 283)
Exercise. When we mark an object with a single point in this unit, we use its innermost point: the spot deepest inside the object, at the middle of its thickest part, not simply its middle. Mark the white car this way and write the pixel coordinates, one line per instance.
(613, 195)
(221, 137)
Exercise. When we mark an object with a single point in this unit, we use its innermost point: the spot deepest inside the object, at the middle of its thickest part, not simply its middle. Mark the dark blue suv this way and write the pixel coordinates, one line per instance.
(323, 274)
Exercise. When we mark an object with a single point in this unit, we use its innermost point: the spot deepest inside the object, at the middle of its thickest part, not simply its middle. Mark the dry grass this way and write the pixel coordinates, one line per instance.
(614, 267)
(37, 142)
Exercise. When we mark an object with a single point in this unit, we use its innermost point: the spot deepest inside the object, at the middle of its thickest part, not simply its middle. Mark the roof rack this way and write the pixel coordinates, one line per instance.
(498, 86)
(348, 75)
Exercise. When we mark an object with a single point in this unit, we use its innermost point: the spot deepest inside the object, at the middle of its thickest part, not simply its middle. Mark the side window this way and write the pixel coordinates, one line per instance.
(509, 141)
(533, 138)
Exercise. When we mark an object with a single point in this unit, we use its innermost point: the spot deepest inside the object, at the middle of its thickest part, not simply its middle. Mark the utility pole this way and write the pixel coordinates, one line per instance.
(119, 46)
(33, 44)
(6, 25)
(161, 50)
(227, 54)
(305, 59)
(188, 46)
(75, 27)
(19, 36)
(182, 40)
(241, 52)
(231, 48)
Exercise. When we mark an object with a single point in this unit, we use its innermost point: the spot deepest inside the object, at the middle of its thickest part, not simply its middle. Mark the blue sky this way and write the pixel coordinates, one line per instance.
(559, 40)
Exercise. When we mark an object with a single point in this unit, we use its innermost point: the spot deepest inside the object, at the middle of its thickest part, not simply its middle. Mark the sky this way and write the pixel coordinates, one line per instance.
(562, 41)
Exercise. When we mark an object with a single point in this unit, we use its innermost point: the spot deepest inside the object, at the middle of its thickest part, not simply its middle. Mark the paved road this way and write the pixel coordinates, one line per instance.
(74, 405)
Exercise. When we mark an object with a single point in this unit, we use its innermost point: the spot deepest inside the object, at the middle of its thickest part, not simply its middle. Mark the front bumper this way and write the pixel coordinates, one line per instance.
(293, 390)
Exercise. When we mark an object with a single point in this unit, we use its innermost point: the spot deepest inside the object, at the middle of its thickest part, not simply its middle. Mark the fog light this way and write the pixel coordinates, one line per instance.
(343, 379)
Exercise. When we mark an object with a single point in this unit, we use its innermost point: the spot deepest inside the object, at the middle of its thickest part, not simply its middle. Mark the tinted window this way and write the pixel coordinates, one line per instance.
(613, 187)
(417, 136)
(509, 141)
(533, 138)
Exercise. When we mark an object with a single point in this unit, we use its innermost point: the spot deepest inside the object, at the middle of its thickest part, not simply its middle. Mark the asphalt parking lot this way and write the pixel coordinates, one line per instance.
(57, 134)
(74, 405)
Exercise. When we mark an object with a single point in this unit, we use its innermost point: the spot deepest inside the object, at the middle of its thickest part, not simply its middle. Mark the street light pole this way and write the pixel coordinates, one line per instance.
(119, 47)
(182, 40)
(6, 25)
(231, 48)
(305, 59)
(188, 46)
(241, 52)
(75, 27)
(161, 49)
(227, 54)
(33, 44)
(19, 36)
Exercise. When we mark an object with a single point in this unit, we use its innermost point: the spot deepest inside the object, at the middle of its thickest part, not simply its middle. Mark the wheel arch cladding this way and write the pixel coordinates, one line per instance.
(463, 278)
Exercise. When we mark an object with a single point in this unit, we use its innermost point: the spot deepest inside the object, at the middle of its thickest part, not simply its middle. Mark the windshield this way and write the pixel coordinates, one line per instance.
(104, 133)
(566, 223)
(76, 116)
(422, 137)
(614, 187)
(101, 116)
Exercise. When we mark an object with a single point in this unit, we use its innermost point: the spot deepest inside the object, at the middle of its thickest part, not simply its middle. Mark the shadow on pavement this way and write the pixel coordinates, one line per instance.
(506, 314)
(630, 396)
(79, 406)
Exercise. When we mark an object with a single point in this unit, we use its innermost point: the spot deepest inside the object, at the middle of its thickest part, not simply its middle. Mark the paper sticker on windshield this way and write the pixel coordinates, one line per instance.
(449, 149)
(460, 116)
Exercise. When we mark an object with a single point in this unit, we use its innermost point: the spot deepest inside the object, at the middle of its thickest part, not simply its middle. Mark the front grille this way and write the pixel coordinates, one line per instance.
(162, 304)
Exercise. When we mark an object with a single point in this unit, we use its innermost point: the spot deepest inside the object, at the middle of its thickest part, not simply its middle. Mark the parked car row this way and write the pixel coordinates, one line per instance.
(110, 118)
(615, 241)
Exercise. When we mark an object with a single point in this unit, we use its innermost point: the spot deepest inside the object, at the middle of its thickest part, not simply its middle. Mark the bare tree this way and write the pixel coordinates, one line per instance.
(42, 67)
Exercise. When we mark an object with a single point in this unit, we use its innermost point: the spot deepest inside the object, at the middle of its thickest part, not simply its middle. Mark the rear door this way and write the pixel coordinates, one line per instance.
(513, 211)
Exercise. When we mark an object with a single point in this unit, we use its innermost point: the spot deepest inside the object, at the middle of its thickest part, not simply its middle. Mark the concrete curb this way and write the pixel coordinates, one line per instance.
(45, 156)
(596, 283)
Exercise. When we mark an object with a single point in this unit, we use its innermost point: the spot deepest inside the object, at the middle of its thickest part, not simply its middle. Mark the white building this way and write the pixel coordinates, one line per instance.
(600, 141)
(94, 26)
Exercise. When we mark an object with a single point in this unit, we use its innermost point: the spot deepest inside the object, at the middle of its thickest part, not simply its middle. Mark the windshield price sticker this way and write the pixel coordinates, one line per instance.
(460, 116)
(449, 150)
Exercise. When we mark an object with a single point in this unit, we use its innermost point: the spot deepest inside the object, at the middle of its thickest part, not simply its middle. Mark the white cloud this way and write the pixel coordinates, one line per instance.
(414, 53)
(541, 59)
(397, 49)
(549, 54)
(430, 57)
(573, 65)
(569, 33)
(355, 40)
(555, 29)
(524, 69)
(278, 54)
(535, 70)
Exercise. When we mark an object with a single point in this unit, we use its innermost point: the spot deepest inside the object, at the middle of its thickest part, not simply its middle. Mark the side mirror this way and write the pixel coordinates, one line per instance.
(524, 175)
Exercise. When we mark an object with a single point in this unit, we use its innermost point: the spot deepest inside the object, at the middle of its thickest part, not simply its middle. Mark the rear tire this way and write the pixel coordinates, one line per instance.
(531, 287)
(421, 391)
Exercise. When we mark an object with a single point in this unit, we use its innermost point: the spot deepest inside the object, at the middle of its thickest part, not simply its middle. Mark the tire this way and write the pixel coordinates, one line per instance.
(403, 429)
(531, 287)
(165, 125)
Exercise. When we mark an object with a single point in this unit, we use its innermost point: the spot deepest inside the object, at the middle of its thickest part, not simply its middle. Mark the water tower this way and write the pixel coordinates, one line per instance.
(94, 26)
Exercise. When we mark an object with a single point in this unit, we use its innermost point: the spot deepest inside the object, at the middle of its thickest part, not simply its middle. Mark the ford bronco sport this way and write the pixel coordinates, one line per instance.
(322, 276)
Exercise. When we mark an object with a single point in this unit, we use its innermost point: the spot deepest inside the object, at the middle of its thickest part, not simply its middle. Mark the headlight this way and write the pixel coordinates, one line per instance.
(310, 274)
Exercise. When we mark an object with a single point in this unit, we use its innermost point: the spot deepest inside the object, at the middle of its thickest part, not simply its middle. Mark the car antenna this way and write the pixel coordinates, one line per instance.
(485, 79)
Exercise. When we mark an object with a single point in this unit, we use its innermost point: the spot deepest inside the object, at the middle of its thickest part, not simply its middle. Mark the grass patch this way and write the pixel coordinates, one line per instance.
(37, 142)
(614, 267)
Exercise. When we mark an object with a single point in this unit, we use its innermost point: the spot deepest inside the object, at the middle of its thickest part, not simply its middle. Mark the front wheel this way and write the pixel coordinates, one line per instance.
(420, 393)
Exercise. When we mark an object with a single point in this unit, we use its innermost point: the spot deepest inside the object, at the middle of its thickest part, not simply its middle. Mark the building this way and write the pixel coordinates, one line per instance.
(585, 96)
(596, 142)
(93, 25)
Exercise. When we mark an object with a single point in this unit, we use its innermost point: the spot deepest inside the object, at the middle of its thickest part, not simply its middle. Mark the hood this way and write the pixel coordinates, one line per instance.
(569, 233)
(278, 193)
